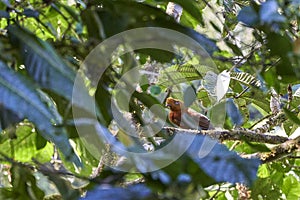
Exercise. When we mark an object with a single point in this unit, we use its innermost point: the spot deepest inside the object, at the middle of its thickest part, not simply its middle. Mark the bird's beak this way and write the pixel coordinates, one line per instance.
(168, 105)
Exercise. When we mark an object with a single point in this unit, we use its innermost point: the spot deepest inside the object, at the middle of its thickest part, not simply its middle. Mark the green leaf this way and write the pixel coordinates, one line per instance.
(285, 67)
(258, 98)
(102, 22)
(257, 147)
(291, 116)
(275, 40)
(24, 148)
(42, 62)
(265, 188)
(22, 97)
(230, 22)
(291, 187)
(24, 184)
(70, 10)
(157, 54)
(203, 96)
(271, 79)
(188, 21)
(150, 101)
(193, 8)
(48, 69)
(263, 171)
(244, 108)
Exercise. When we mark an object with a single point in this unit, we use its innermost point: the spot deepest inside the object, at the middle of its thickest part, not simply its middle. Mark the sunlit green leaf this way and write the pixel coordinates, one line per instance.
(291, 187)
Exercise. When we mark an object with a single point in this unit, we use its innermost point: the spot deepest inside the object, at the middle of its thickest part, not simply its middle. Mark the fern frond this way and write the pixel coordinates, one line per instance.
(245, 78)
(182, 73)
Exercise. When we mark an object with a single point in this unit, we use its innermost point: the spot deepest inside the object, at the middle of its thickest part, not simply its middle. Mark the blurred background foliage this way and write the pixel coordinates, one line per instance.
(255, 44)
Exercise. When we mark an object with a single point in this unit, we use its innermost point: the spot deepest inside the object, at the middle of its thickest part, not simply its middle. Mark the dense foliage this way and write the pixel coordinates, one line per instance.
(60, 143)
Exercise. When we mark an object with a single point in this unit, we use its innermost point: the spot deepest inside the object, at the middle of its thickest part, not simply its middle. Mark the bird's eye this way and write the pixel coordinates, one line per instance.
(176, 102)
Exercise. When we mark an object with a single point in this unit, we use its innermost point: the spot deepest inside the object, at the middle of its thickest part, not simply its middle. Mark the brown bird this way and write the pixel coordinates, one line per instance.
(186, 117)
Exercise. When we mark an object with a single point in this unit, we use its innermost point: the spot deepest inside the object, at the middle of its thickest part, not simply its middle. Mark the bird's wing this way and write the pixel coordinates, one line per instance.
(197, 119)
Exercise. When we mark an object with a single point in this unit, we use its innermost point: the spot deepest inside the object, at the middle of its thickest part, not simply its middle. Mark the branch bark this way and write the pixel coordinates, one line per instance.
(222, 135)
(281, 151)
(284, 148)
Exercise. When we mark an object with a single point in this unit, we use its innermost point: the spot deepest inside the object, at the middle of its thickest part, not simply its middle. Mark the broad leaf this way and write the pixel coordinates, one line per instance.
(248, 16)
(215, 159)
(22, 97)
(7, 118)
(292, 116)
(102, 22)
(42, 62)
(139, 191)
(291, 187)
(234, 113)
(269, 12)
(25, 148)
(223, 81)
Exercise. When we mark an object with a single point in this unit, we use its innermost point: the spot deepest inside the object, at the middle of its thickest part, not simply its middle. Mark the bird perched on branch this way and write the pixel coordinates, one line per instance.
(186, 117)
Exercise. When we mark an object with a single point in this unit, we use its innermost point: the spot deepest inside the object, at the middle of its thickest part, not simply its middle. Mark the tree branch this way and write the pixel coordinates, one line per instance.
(244, 135)
(281, 151)
(284, 148)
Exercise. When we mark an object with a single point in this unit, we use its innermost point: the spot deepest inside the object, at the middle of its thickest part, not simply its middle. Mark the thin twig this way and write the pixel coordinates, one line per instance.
(215, 194)
(290, 96)
(234, 145)
(243, 92)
